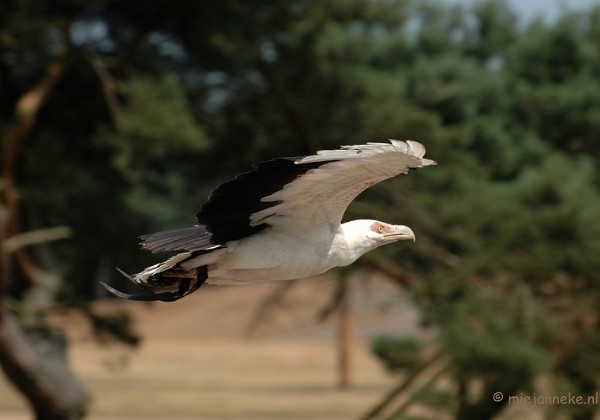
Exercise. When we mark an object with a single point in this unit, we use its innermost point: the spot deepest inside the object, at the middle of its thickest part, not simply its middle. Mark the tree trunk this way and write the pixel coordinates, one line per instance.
(46, 382)
(344, 336)
(44, 379)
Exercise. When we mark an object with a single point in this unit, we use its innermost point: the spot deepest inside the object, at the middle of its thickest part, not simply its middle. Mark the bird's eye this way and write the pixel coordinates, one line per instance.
(378, 227)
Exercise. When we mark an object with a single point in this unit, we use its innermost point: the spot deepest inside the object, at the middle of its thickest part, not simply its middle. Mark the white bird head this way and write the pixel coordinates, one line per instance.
(380, 233)
(362, 236)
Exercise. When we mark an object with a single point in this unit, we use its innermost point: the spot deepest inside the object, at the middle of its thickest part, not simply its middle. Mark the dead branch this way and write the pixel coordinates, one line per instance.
(336, 299)
(400, 397)
(390, 269)
(108, 83)
(35, 237)
(26, 112)
(269, 305)
(49, 387)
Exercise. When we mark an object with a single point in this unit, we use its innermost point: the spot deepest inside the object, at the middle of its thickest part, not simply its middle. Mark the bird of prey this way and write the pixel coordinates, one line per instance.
(280, 221)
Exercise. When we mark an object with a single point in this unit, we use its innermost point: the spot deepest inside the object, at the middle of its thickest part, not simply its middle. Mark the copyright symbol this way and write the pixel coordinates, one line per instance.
(498, 396)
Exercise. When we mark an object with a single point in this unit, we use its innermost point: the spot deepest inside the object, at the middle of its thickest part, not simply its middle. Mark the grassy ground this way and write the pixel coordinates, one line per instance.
(198, 360)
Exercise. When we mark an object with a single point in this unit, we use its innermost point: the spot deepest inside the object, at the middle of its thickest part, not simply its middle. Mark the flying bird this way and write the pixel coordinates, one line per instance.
(280, 221)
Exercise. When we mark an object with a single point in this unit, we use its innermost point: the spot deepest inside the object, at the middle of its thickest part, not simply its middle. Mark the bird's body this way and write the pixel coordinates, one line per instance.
(281, 221)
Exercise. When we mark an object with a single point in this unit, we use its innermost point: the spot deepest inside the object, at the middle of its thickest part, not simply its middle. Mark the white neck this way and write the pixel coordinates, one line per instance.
(350, 243)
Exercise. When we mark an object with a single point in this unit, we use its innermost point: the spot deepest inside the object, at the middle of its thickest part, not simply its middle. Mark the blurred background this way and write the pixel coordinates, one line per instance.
(118, 118)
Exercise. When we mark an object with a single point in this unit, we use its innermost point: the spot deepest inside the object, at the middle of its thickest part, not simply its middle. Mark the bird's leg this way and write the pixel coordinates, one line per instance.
(185, 288)
(201, 277)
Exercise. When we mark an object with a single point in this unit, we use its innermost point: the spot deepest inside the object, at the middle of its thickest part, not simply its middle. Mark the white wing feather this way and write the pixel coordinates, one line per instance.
(318, 199)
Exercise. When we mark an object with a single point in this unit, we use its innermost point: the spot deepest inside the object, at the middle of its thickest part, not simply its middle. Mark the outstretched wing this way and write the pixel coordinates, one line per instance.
(300, 195)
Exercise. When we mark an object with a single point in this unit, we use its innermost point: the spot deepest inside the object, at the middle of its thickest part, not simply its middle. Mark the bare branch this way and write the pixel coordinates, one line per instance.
(336, 299)
(26, 112)
(51, 390)
(35, 237)
(109, 86)
(398, 399)
(389, 268)
(269, 305)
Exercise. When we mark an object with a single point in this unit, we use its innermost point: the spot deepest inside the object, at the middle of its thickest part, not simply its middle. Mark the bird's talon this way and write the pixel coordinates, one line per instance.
(185, 288)
(127, 276)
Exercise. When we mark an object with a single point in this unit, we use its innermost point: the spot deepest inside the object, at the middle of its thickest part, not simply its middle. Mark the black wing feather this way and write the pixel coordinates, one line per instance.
(226, 214)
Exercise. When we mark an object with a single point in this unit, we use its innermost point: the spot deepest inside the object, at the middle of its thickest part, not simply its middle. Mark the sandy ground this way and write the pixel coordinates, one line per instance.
(198, 359)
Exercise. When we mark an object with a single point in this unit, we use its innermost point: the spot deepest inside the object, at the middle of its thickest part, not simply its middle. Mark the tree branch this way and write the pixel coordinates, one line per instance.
(269, 305)
(26, 112)
(109, 86)
(52, 393)
(44, 379)
(34, 237)
(400, 396)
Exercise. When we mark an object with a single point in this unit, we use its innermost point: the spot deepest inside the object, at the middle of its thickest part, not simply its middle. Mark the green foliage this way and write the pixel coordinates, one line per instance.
(155, 124)
(496, 336)
(532, 244)
(397, 353)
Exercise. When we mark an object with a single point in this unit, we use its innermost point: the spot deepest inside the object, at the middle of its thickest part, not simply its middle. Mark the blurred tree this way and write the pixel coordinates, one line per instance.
(516, 212)
(158, 101)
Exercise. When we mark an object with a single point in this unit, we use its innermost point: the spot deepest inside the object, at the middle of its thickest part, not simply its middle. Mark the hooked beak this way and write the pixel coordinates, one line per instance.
(400, 233)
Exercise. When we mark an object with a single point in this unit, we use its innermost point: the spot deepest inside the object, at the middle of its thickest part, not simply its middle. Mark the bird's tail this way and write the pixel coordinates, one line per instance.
(166, 281)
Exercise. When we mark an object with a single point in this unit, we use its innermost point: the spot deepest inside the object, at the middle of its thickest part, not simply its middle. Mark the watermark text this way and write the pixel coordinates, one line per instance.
(534, 399)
